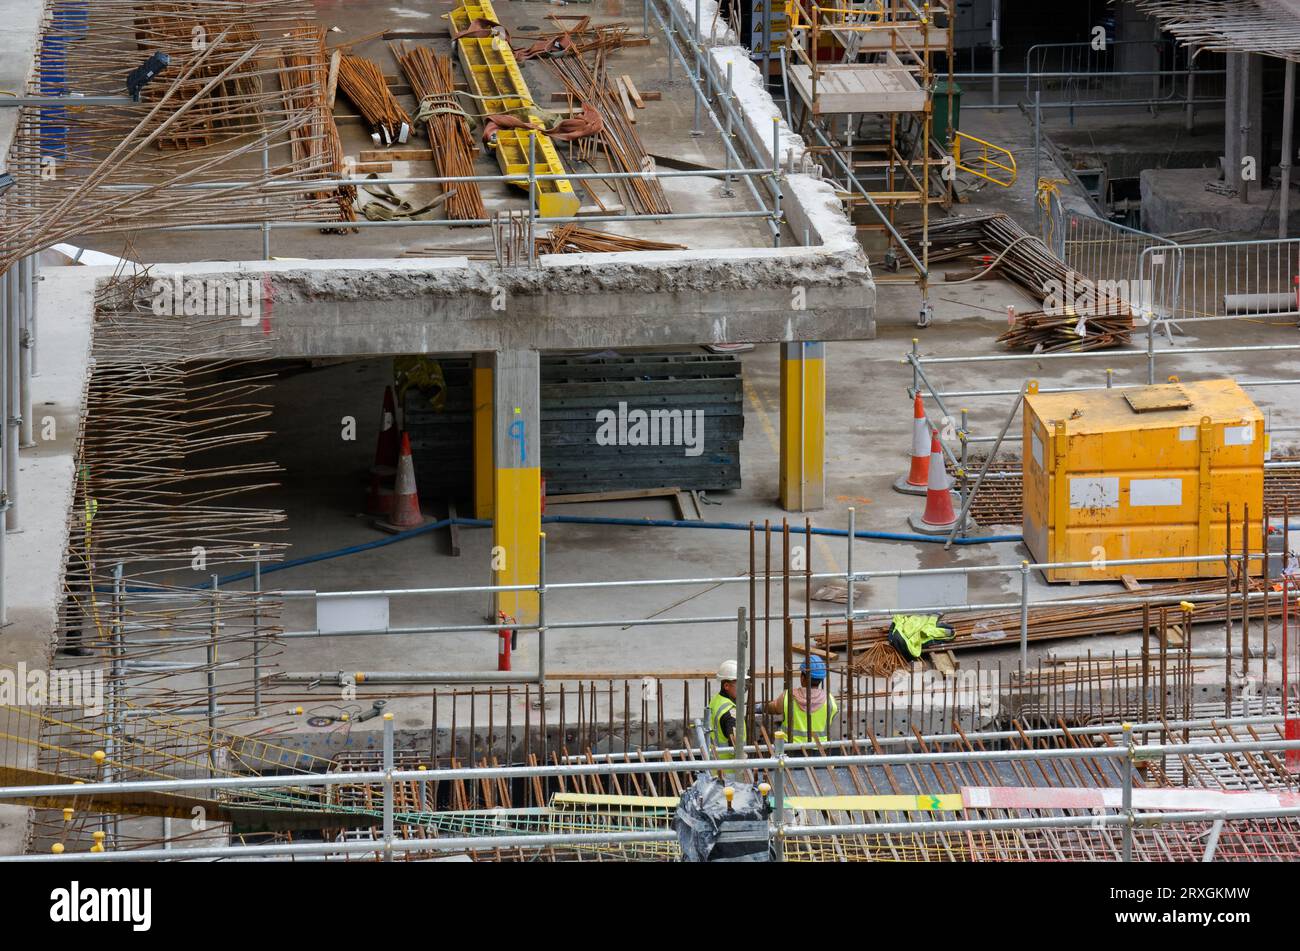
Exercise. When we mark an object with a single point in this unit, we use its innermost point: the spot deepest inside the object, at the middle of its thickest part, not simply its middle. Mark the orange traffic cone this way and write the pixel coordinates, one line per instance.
(379, 498)
(406, 500)
(386, 447)
(917, 478)
(939, 517)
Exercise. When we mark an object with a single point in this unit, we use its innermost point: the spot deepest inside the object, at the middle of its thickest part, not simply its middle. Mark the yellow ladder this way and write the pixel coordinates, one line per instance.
(985, 160)
(492, 70)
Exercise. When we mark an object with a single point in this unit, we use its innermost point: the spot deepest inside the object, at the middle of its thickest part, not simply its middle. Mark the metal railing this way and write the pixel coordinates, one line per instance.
(547, 590)
(1079, 76)
(1244, 279)
(778, 765)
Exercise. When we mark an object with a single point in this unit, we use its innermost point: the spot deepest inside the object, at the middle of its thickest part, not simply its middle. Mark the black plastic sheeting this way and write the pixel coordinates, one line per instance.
(709, 831)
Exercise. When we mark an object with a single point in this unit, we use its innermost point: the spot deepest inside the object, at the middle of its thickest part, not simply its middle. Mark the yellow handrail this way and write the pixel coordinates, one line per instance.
(988, 162)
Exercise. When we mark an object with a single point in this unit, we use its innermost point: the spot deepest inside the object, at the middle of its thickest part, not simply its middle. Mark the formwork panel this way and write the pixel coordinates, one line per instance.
(1150, 472)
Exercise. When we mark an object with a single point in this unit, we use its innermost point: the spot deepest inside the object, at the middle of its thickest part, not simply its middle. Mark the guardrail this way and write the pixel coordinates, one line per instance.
(777, 766)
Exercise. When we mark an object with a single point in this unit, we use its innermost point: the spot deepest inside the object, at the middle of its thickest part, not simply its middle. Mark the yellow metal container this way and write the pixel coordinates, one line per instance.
(1141, 472)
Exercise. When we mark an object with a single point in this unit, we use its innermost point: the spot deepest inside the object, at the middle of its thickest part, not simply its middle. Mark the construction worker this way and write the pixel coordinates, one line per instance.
(722, 710)
(807, 716)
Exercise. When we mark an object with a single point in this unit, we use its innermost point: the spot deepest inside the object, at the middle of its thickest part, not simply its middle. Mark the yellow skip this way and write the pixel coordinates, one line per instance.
(490, 65)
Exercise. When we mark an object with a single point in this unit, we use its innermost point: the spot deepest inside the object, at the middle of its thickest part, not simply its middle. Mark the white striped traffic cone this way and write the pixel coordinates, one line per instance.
(406, 499)
(917, 478)
(939, 516)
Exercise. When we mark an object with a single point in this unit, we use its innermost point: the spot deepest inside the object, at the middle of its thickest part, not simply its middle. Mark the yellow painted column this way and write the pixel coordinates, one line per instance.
(517, 479)
(484, 481)
(803, 426)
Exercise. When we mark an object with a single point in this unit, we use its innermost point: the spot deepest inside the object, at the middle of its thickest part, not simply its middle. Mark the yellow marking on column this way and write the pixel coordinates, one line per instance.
(765, 422)
(803, 429)
(483, 487)
(516, 527)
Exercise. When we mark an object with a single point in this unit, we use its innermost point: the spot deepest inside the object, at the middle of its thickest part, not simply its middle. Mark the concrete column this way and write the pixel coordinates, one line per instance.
(484, 482)
(803, 426)
(517, 475)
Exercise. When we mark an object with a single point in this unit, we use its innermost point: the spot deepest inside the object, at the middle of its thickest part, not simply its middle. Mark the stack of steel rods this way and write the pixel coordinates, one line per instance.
(363, 82)
(82, 172)
(999, 628)
(570, 238)
(621, 144)
(319, 142)
(1005, 249)
(447, 126)
(1047, 333)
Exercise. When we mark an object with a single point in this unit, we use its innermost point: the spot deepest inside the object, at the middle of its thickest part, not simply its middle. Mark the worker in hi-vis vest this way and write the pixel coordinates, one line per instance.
(722, 710)
(807, 716)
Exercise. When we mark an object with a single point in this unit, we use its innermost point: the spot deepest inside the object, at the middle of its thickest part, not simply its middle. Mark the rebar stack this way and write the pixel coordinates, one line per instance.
(999, 247)
(317, 143)
(618, 139)
(362, 81)
(447, 127)
(114, 169)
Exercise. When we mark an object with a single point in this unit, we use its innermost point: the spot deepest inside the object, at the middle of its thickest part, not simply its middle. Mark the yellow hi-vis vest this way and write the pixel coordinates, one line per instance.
(719, 706)
(797, 727)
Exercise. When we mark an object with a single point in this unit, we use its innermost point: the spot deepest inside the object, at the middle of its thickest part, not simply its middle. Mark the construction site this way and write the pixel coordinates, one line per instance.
(649, 431)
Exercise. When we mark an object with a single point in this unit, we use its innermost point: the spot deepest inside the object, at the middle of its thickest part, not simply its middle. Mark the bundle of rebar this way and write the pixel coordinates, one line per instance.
(570, 238)
(362, 81)
(100, 170)
(447, 126)
(1042, 332)
(318, 143)
(618, 140)
(998, 247)
(998, 628)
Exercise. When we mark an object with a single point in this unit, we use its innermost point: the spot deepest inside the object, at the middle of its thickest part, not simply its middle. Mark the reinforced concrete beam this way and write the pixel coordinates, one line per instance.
(370, 308)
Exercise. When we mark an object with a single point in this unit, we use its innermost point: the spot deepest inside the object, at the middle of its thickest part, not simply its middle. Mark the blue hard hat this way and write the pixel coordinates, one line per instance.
(814, 667)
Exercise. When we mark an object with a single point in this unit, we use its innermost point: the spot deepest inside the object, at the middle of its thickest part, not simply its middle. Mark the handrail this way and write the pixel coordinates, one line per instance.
(984, 164)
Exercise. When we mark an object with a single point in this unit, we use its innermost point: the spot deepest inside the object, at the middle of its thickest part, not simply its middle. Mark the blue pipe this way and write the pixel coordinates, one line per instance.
(598, 520)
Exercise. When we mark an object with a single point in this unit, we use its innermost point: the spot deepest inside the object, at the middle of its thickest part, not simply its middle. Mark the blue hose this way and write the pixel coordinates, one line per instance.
(599, 520)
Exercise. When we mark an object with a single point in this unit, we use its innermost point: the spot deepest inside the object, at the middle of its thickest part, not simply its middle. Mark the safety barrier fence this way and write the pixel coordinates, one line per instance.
(777, 767)
(1082, 76)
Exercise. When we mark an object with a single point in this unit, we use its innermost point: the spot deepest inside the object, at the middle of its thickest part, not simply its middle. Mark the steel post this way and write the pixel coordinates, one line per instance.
(1024, 617)
(778, 796)
(1288, 151)
(1128, 792)
(12, 406)
(388, 787)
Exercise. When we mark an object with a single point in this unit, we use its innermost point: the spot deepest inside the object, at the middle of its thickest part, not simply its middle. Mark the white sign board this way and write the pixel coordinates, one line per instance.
(368, 613)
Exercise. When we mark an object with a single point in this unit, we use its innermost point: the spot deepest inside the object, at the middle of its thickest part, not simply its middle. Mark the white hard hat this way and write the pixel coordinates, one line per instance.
(727, 670)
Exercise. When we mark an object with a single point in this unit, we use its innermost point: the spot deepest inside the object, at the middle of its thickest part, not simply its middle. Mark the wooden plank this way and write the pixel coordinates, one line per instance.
(379, 168)
(631, 91)
(453, 530)
(396, 155)
(627, 104)
(611, 496)
(1130, 583)
(333, 86)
